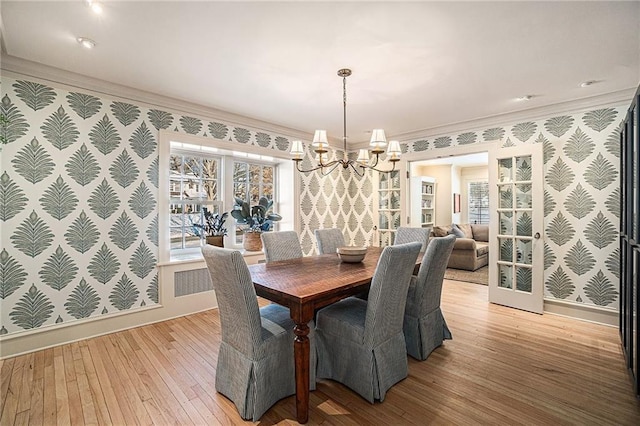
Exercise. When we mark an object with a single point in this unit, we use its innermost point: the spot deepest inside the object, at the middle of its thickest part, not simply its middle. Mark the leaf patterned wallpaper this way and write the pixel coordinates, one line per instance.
(581, 197)
(79, 195)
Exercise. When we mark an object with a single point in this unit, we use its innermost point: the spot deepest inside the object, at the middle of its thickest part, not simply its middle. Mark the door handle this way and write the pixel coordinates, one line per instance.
(537, 236)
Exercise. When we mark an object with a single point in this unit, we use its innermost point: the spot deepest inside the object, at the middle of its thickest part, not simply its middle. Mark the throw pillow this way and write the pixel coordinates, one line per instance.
(440, 231)
(457, 232)
(465, 228)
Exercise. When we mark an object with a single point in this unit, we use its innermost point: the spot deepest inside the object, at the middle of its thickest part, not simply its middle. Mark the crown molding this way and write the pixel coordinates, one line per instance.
(618, 98)
(14, 65)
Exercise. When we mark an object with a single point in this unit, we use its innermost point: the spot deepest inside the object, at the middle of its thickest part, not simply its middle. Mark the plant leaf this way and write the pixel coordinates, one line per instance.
(123, 233)
(59, 270)
(613, 141)
(600, 173)
(103, 200)
(12, 275)
(467, 138)
(559, 175)
(600, 231)
(32, 236)
(123, 169)
(548, 151)
(549, 204)
(83, 301)
(241, 135)
(104, 136)
(153, 172)
(524, 131)
(16, 125)
(82, 234)
(549, 257)
(560, 230)
(152, 290)
(600, 290)
(191, 125)
(152, 231)
(442, 142)
(492, 134)
(124, 112)
(579, 146)
(142, 262)
(83, 166)
(282, 143)
(104, 265)
(33, 162)
(579, 202)
(600, 119)
(160, 119)
(421, 145)
(559, 284)
(613, 202)
(86, 106)
(12, 198)
(59, 200)
(36, 96)
(142, 202)
(263, 139)
(558, 126)
(613, 262)
(579, 259)
(124, 294)
(142, 141)
(32, 310)
(60, 130)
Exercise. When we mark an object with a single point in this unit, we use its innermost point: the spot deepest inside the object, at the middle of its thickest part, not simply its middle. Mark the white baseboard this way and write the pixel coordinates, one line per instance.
(582, 312)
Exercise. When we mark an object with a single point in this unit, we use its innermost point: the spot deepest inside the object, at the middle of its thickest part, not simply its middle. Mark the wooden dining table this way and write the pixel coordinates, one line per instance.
(304, 285)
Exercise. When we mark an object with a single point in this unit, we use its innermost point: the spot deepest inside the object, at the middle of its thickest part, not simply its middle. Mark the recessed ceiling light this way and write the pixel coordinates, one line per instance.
(87, 43)
(95, 6)
(587, 83)
(524, 98)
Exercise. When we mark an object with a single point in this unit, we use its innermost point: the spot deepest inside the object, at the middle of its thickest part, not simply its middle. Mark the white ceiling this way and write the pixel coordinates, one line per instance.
(416, 65)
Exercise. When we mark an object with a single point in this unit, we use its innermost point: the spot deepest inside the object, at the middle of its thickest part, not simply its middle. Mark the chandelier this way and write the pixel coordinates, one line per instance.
(363, 161)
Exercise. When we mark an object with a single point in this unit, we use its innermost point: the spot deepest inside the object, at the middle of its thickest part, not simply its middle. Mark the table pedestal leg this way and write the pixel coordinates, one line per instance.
(301, 353)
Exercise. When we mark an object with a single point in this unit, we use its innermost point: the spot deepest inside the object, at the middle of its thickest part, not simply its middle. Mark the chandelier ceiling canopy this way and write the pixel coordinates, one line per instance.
(364, 161)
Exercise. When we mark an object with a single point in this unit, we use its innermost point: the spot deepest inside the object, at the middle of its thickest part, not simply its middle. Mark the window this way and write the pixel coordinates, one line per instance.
(193, 186)
(251, 181)
(203, 177)
(479, 202)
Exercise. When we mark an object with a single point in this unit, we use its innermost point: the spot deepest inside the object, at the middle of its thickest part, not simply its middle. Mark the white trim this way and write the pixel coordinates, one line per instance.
(604, 316)
(613, 99)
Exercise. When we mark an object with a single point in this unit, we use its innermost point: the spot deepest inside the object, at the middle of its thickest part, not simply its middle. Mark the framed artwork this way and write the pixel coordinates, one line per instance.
(456, 203)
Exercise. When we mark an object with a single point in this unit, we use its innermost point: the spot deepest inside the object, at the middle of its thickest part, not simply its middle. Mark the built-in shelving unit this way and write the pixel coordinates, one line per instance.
(423, 201)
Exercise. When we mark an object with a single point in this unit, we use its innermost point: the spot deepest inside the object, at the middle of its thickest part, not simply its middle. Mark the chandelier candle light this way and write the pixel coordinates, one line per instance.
(321, 145)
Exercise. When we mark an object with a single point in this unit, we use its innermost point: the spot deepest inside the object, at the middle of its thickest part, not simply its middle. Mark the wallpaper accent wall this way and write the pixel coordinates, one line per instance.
(581, 197)
(79, 195)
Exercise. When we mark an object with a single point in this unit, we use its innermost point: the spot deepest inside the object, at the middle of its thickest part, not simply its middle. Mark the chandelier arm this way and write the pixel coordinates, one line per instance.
(318, 167)
(381, 171)
(333, 167)
(355, 169)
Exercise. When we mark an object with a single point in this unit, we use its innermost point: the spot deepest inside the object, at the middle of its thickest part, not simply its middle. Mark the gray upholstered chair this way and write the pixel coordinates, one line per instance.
(360, 343)
(281, 245)
(328, 240)
(424, 326)
(255, 363)
(405, 234)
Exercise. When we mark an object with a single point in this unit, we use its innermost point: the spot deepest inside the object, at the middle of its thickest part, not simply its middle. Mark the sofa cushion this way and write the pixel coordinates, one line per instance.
(481, 248)
(465, 228)
(441, 231)
(480, 232)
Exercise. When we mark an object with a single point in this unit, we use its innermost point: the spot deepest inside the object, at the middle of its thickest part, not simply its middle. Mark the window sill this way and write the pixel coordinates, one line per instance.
(196, 256)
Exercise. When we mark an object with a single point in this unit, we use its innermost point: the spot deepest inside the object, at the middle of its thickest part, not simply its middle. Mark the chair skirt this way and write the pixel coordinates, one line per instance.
(424, 334)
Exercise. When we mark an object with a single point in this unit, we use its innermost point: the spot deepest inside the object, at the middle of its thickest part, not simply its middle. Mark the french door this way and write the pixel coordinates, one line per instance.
(517, 244)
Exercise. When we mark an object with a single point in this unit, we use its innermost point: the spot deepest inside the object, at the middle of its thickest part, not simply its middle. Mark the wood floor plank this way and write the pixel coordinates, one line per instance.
(503, 366)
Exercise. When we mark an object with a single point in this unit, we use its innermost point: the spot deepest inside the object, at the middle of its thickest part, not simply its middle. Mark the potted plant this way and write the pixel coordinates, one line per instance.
(258, 218)
(214, 227)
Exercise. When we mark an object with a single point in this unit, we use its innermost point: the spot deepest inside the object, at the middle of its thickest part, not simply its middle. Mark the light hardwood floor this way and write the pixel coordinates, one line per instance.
(503, 366)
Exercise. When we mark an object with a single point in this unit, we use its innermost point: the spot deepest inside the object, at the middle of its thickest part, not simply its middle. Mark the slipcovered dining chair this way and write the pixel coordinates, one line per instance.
(281, 245)
(328, 240)
(424, 326)
(406, 234)
(255, 362)
(360, 343)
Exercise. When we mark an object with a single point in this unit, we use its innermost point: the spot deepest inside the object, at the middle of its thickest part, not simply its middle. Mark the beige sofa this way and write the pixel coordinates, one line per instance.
(471, 251)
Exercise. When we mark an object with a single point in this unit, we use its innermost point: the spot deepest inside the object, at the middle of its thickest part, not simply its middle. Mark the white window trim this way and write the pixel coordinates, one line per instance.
(289, 196)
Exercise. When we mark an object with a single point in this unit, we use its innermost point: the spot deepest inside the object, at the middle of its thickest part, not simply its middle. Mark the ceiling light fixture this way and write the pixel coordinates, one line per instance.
(95, 6)
(87, 43)
(524, 98)
(587, 83)
(321, 145)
